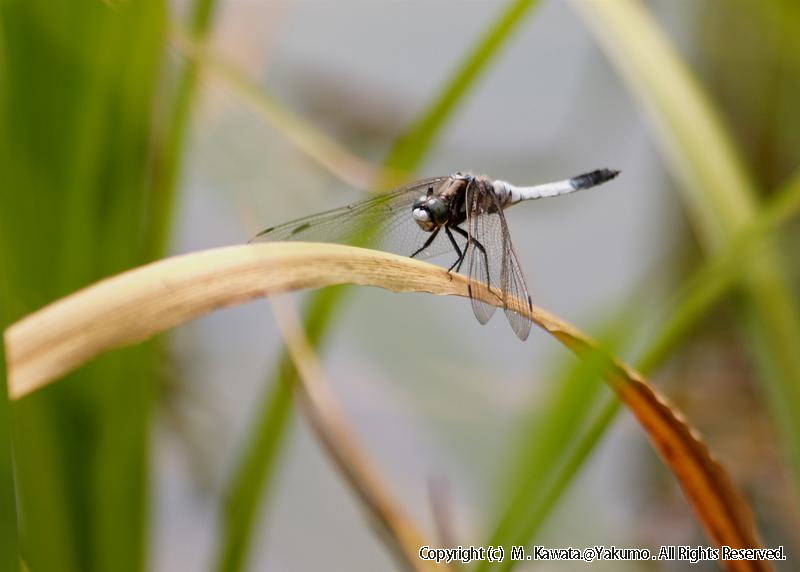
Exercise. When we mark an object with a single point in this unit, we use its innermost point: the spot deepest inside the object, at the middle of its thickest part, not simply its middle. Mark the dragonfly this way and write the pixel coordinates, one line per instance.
(460, 214)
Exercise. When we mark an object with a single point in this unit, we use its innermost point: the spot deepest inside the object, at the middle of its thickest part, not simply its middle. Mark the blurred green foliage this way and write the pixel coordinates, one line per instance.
(79, 83)
(8, 511)
(9, 546)
(170, 139)
(749, 57)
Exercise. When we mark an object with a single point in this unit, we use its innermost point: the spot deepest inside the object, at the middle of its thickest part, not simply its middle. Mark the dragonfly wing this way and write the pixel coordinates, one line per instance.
(516, 300)
(493, 267)
(383, 221)
(481, 267)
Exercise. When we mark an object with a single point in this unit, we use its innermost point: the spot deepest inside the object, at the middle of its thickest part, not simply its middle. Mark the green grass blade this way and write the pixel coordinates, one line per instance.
(554, 488)
(167, 159)
(535, 463)
(715, 278)
(9, 550)
(535, 460)
(254, 475)
(251, 481)
(411, 148)
(717, 191)
(255, 469)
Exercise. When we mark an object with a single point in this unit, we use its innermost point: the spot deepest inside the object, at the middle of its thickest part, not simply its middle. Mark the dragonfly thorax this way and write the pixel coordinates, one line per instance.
(430, 212)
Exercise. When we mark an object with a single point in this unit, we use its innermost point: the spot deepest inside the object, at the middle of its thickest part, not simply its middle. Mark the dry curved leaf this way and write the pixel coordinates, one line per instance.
(338, 437)
(142, 302)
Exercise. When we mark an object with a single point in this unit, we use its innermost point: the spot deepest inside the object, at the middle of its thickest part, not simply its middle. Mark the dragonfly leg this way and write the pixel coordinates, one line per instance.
(427, 242)
(455, 245)
(463, 233)
(477, 244)
(480, 247)
(460, 260)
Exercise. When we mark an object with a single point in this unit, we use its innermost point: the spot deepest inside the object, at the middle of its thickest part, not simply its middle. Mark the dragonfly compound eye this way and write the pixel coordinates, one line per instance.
(438, 210)
(429, 212)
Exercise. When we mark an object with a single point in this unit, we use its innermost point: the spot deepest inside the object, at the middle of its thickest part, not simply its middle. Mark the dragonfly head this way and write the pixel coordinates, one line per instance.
(429, 211)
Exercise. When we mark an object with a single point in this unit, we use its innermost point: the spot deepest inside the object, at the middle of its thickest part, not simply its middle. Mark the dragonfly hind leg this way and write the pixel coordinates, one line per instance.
(477, 244)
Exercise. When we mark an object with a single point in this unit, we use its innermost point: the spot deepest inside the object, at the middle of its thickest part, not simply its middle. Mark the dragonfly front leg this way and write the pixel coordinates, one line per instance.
(427, 242)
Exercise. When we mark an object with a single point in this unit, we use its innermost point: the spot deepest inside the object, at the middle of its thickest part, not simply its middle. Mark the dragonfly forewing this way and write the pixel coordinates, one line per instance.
(382, 221)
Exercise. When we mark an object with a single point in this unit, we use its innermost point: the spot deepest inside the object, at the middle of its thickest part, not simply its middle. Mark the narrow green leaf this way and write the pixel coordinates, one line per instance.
(169, 149)
(544, 447)
(254, 474)
(9, 537)
(576, 456)
(715, 278)
(9, 550)
(413, 146)
(556, 429)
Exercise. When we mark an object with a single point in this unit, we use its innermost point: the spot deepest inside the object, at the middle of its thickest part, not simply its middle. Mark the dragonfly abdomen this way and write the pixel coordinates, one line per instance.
(511, 194)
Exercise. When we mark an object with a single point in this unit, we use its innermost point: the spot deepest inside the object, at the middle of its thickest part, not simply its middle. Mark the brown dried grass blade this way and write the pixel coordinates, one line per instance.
(142, 302)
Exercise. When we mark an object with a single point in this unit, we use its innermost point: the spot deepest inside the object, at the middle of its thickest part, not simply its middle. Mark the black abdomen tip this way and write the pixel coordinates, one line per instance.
(594, 178)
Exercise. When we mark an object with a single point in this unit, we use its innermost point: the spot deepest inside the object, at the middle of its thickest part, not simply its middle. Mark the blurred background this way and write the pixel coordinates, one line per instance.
(133, 130)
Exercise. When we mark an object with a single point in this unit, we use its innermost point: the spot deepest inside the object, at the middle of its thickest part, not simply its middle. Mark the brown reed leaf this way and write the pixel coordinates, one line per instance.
(142, 302)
